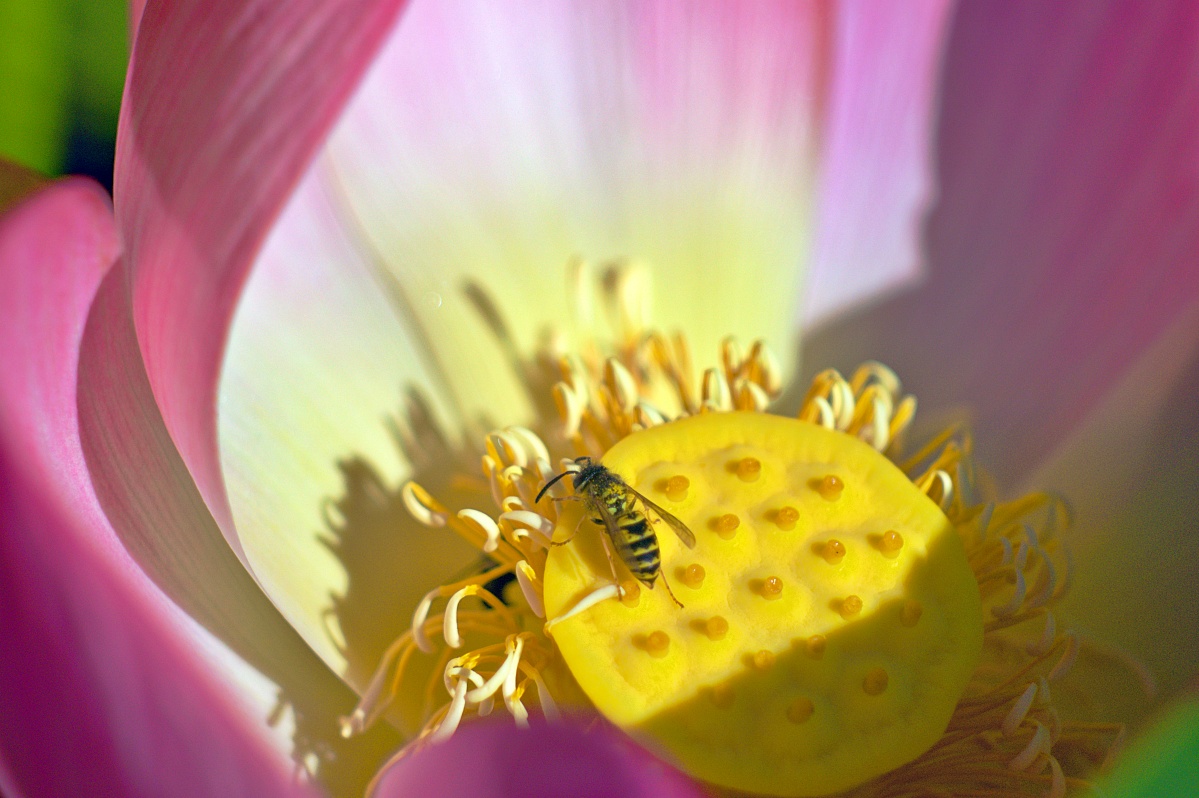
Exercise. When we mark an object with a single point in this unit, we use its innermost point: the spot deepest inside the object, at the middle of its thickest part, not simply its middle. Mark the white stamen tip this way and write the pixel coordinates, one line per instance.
(1019, 710)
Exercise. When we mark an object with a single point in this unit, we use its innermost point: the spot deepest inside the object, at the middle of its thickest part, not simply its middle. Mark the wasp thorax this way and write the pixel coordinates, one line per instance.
(829, 618)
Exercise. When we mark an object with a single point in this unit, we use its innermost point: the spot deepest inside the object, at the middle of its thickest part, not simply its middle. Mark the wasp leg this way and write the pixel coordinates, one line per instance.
(669, 592)
(572, 534)
(612, 563)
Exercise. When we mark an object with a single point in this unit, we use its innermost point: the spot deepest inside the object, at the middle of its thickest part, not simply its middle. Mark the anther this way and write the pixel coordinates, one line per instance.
(763, 660)
(816, 644)
(830, 487)
(850, 606)
(749, 469)
(716, 627)
(911, 612)
(875, 681)
(658, 643)
(693, 576)
(726, 525)
(833, 552)
(800, 710)
(676, 488)
(786, 517)
(772, 587)
(891, 543)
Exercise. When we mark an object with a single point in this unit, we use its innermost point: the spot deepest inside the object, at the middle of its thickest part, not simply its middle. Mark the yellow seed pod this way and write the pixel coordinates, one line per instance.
(773, 680)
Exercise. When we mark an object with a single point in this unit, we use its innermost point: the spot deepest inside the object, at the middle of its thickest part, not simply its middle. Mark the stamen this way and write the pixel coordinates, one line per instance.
(418, 621)
(1019, 710)
(457, 704)
(485, 525)
(621, 383)
(422, 506)
(541, 529)
(1009, 609)
(716, 392)
(1039, 744)
(587, 602)
(1067, 661)
(530, 586)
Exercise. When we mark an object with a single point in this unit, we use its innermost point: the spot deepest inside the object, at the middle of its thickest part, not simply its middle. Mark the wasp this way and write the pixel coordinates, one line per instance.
(612, 504)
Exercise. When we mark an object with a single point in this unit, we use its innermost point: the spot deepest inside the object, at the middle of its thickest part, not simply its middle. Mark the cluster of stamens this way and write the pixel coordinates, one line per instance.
(498, 646)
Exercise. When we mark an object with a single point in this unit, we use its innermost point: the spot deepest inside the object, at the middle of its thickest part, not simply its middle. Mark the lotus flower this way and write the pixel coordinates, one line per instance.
(318, 206)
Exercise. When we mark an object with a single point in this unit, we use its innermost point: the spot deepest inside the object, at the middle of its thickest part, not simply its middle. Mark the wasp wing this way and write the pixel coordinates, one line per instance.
(680, 529)
(600, 508)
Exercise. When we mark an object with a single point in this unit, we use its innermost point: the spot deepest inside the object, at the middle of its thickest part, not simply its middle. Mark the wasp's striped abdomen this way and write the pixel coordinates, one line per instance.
(637, 545)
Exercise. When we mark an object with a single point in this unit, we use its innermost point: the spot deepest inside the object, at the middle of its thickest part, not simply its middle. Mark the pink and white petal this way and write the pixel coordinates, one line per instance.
(491, 143)
(161, 520)
(1062, 242)
(875, 177)
(102, 694)
(317, 367)
(1130, 470)
(491, 759)
(206, 157)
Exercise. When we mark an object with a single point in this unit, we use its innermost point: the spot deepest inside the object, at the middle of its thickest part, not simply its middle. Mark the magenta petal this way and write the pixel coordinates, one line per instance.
(1063, 242)
(875, 167)
(493, 759)
(225, 104)
(101, 696)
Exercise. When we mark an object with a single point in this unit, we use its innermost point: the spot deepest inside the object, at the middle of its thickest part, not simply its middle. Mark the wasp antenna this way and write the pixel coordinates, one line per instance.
(549, 484)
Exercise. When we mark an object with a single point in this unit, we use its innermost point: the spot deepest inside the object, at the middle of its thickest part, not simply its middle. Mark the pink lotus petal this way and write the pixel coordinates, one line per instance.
(875, 160)
(491, 759)
(1064, 239)
(492, 143)
(159, 517)
(101, 695)
(224, 106)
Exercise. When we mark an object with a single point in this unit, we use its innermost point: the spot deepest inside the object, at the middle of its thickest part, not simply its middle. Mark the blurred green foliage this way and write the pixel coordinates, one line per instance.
(1163, 760)
(62, 66)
